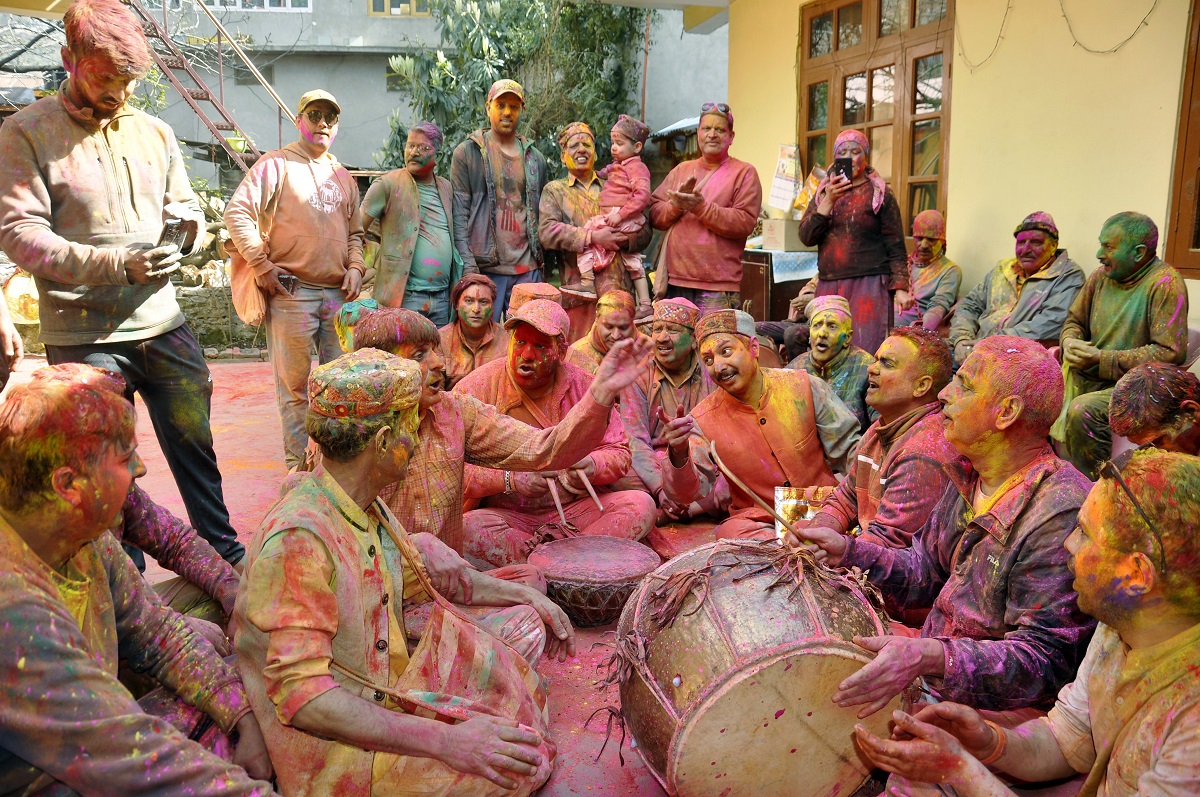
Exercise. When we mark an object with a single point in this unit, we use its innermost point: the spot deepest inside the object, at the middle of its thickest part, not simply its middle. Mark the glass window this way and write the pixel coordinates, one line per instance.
(893, 17)
(820, 36)
(850, 28)
(854, 110)
(921, 196)
(883, 93)
(926, 147)
(881, 150)
(816, 152)
(930, 11)
(927, 89)
(818, 106)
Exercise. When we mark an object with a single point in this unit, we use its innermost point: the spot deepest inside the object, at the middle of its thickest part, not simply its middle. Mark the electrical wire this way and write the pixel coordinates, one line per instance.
(1145, 21)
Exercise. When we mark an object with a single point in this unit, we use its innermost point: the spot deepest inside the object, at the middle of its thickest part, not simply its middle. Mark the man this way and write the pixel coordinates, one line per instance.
(934, 278)
(71, 603)
(1132, 310)
(1128, 721)
(841, 364)
(1157, 405)
(420, 249)
(1004, 631)
(473, 338)
(708, 206)
(320, 634)
(535, 386)
(566, 206)
(772, 427)
(614, 322)
(89, 182)
(457, 429)
(296, 215)
(498, 177)
(1027, 296)
(676, 382)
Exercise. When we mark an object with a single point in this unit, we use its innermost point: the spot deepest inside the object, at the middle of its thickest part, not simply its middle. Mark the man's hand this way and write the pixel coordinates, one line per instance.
(352, 284)
(620, 368)
(492, 748)
(904, 300)
(12, 348)
(828, 545)
(609, 239)
(962, 350)
(899, 662)
(268, 282)
(572, 481)
(668, 510)
(796, 308)
(684, 200)
(448, 571)
(677, 433)
(1080, 354)
(251, 751)
(560, 636)
(143, 266)
(532, 485)
(210, 631)
(930, 756)
(962, 722)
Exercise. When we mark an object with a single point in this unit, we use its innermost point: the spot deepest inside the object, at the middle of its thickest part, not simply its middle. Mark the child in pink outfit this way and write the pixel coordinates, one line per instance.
(623, 201)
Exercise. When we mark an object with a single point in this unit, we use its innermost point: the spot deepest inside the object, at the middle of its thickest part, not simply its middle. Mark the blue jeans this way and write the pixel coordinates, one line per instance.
(295, 323)
(434, 305)
(504, 286)
(170, 374)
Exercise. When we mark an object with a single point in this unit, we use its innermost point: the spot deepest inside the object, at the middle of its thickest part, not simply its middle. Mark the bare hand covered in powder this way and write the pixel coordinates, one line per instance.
(620, 368)
(898, 662)
(677, 432)
(143, 264)
(928, 755)
(493, 748)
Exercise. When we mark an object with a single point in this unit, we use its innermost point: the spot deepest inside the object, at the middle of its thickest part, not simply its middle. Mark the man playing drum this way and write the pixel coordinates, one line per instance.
(1004, 631)
(771, 426)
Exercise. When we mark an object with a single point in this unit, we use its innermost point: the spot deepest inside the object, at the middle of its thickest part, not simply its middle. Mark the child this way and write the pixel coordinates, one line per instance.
(623, 200)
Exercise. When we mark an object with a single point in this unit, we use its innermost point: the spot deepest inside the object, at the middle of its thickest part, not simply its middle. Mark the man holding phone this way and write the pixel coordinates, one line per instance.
(89, 184)
(295, 219)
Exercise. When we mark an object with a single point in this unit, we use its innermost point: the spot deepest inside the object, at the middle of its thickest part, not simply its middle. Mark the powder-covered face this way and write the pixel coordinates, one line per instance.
(858, 157)
(475, 307)
(614, 325)
(503, 114)
(1101, 570)
(98, 83)
(1120, 257)
(673, 345)
(714, 136)
(731, 362)
(319, 134)
(829, 335)
(579, 156)
(927, 250)
(893, 376)
(433, 369)
(1034, 249)
(623, 148)
(968, 409)
(533, 357)
(420, 157)
(104, 489)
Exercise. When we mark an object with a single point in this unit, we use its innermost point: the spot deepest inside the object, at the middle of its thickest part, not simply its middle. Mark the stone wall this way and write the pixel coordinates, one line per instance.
(213, 320)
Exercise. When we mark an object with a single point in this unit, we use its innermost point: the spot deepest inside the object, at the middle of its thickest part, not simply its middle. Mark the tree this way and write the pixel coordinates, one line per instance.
(577, 59)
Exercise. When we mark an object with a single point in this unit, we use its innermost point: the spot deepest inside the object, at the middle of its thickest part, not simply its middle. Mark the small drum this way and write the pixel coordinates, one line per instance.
(728, 657)
(591, 577)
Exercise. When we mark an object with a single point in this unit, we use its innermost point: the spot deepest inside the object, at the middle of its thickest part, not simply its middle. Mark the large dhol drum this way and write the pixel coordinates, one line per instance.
(591, 577)
(728, 657)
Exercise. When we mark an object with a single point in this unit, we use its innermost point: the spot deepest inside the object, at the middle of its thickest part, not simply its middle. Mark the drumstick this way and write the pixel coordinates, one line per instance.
(712, 450)
(591, 490)
(557, 501)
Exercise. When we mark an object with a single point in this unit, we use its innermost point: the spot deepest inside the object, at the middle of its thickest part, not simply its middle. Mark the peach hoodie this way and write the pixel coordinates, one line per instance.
(315, 230)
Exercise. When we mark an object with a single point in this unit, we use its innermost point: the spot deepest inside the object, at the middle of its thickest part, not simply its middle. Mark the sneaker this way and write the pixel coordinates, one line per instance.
(581, 289)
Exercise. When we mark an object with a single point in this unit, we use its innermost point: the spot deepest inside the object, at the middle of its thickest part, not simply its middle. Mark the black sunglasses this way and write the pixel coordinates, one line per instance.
(315, 116)
(1110, 471)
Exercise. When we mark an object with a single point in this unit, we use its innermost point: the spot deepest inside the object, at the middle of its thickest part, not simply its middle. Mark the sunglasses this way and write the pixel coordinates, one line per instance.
(315, 116)
(714, 106)
(1110, 471)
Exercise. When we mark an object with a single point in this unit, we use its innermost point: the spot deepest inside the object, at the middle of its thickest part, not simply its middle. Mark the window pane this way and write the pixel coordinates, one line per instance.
(299, 3)
(818, 106)
(893, 17)
(377, 6)
(820, 41)
(927, 94)
(849, 26)
(881, 150)
(883, 91)
(926, 148)
(816, 152)
(921, 196)
(855, 109)
(276, 4)
(930, 11)
(421, 7)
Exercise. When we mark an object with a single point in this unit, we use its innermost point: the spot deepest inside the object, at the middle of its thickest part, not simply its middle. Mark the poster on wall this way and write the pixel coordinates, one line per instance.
(785, 184)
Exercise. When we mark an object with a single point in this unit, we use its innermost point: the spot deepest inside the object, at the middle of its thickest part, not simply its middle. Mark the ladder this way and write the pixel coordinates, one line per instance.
(192, 88)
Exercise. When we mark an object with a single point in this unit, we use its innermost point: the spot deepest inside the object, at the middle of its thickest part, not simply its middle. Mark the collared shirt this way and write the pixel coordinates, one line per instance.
(1140, 710)
(933, 286)
(66, 717)
(639, 412)
(493, 385)
(463, 356)
(1008, 303)
(998, 583)
(847, 375)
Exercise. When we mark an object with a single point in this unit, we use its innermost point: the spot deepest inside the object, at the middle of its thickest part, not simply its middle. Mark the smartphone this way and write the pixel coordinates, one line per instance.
(290, 282)
(843, 166)
(174, 233)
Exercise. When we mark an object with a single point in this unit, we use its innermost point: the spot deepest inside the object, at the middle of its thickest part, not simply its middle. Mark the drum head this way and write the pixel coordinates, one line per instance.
(780, 709)
(594, 560)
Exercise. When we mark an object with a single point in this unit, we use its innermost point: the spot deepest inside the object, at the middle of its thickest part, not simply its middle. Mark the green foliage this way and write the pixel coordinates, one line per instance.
(577, 59)
(151, 93)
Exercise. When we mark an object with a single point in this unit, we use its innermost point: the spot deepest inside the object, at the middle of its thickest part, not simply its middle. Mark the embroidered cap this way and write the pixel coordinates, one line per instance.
(731, 322)
(1038, 220)
(632, 129)
(543, 315)
(574, 129)
(364, 383)
(528, 291)
(828, 304)
(677, 311)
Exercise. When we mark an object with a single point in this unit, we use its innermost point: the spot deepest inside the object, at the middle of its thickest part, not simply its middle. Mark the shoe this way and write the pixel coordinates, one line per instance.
(580, 289)
(645, 312)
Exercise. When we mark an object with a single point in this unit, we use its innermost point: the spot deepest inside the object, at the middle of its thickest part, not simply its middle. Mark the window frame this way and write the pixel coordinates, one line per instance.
(872, 52)
(389, 14)
(240, 5)
(1183, 210)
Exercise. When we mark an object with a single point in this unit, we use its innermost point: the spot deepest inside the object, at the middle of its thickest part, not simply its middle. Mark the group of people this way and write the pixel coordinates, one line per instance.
(383, 626)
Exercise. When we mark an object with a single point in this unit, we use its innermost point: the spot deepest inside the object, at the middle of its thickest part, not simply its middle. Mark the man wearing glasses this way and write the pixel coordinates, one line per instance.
(1128, 722)
(420, 248)
(295, 219)
(1004, 630)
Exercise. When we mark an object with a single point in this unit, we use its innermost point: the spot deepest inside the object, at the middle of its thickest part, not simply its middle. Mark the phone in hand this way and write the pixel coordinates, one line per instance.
(174, 233)
(842, 166)
(290, 282)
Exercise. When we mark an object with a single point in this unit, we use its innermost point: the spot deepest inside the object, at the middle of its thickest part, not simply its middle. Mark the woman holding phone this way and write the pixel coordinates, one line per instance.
(854, 222)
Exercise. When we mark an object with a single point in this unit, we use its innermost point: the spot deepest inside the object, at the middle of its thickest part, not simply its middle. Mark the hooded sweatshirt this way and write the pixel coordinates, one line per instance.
(309, 209)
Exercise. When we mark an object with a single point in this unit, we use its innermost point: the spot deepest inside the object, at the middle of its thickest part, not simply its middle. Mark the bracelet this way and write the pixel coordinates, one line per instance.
(508, 485)
(1001, 744)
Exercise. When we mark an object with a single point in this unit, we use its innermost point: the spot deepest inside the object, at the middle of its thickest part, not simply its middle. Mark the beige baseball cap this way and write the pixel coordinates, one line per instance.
(309, 97)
